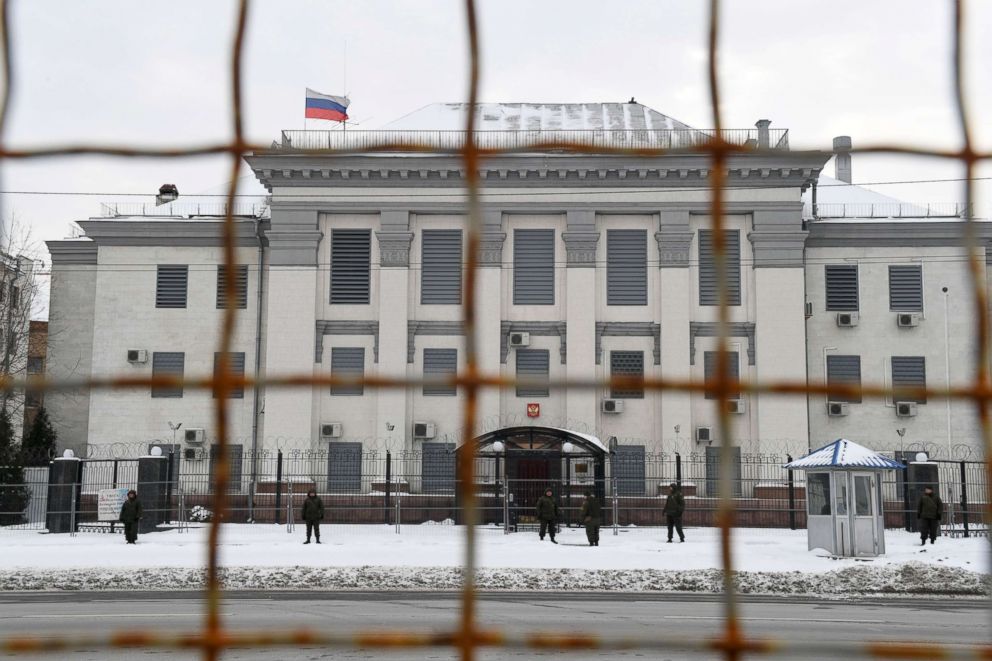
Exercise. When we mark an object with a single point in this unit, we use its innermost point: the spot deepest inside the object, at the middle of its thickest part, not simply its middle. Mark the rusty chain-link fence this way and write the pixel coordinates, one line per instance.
(469, 636)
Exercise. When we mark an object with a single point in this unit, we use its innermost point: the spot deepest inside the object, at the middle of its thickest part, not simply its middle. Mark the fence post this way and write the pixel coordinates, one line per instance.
(905, 496)
(112, 523)
(398, 500)
(289, 508)
(506, 511)
(678, 469)
(964, 499)
(72, 512)
(279, 488)
(616, 506)
(168, 487)
(389, 481)
(792, 495)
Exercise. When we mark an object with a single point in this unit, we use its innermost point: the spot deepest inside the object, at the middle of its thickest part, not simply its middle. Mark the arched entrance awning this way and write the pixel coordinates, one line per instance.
(515, 465)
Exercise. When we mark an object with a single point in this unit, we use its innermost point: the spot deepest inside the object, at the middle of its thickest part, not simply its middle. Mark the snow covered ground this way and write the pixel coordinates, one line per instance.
(429, 557)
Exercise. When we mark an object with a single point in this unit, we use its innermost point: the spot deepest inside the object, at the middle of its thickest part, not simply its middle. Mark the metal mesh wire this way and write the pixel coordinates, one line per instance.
(468, 637)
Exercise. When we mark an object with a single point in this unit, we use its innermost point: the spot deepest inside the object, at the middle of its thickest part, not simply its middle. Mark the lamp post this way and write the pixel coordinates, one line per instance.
(174, 428)
(947, 370)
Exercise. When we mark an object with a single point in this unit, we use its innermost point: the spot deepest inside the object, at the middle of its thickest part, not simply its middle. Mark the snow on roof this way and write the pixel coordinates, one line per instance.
(835, 198)
(843, 453)
(586, 437)
(537, 117)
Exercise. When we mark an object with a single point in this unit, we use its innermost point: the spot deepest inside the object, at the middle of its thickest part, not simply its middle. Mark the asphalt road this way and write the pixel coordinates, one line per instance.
(948, 622)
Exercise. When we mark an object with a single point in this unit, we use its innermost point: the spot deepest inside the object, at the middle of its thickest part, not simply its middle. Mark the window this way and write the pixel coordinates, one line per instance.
(906, 288)
(32, 399)
(533, 364)
(348, 362)
(36, 365)
(236, 366)
(441, 267)
(709, 290)
(628, 469)
(909, 372)
(171, 285)
(440, 363)
(710, 370)
(534, 267)
(842, 287)
(626, 267)
(351, 252)
(240, 286)
(818, 488)
(168, 364)
(844, 370)
(630, 364)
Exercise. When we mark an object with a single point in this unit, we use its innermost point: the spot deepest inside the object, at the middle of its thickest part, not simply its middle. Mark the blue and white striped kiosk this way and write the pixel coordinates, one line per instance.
(844, 498)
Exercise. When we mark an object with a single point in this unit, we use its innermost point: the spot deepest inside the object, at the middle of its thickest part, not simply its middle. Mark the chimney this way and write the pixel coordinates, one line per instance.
(842, 151)
(763, 125)
(166, 193)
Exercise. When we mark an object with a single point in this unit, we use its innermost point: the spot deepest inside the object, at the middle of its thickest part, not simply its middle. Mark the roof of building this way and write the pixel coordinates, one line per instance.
(537, 117)
(843, 453)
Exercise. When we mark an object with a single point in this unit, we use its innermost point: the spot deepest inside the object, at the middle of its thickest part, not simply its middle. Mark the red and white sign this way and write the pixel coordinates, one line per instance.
(533, 410)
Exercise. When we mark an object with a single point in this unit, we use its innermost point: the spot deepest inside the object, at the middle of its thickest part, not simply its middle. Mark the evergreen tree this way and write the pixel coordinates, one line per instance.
(38, 447)
(14, 496)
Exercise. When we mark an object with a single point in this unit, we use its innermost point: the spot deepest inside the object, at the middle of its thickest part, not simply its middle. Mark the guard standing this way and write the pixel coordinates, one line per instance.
(591, 516)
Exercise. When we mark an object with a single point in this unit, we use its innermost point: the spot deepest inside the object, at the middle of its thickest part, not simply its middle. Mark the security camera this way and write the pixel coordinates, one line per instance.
(943, 289)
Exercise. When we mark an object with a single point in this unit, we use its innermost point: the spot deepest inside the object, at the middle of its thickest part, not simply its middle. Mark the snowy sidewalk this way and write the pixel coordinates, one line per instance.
(428, 557)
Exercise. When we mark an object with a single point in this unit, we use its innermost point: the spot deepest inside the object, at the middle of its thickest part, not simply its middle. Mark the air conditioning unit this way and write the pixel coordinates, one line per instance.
(330, 430)
(908, 319)
(612, 406)
(137, 356)
(848, 319)
(905, 409)
(519, 339)
(193, 454)
(837, 409)
(195, 436)
(424, 430)
(704, 434)
(809, 309)
(737, 406)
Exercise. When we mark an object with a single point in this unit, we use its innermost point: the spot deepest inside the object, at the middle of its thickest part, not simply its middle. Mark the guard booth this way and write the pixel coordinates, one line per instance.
(844, 498)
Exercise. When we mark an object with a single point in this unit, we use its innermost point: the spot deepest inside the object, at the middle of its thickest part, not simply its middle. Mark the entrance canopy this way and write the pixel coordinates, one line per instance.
(844, 454)
(531, 437)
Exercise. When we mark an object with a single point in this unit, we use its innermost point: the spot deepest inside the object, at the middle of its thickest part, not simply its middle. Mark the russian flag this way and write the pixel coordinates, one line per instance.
(325, 106)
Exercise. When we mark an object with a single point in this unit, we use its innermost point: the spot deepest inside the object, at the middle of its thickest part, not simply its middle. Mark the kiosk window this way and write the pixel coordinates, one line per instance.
(862, 496)
(818, 489)
(842, 498)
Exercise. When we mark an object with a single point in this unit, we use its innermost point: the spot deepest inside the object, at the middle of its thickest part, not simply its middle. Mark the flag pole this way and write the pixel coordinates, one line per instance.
(344, 124)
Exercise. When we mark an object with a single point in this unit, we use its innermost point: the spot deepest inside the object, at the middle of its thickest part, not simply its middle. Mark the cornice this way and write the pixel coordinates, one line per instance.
(72, 252)
(893, 234)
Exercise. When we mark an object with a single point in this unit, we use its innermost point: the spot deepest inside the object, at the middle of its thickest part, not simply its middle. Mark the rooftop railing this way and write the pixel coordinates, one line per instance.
(884, 210)
(181, 209)
(359, 141)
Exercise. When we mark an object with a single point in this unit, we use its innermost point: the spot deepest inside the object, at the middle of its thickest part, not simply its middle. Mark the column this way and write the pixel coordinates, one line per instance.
(488, 310)
(674, 240)
(780, 339)
(394, 279)
(581, 240)
(290, 322)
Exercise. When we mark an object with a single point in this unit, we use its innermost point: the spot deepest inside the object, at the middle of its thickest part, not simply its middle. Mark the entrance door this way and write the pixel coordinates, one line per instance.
(533, 476)
(864, 506)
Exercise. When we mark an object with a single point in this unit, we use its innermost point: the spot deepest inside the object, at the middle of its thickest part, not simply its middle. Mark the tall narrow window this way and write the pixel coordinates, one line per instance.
(626, 267)
(909, 372)
(629, 364)
(441, 267)
(906, 288)
(533, 364)
(534, 267)
(170, 285)
(240, 297)
(166, 364)
(440, 363)
(844, 370)
(709, 292)
(236, 368)
(842, 287)
(351, 252)
(710, 370)
(348, 362)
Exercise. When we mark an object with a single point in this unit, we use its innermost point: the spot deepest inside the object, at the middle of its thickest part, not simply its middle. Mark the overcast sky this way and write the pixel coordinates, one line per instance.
(126, 72)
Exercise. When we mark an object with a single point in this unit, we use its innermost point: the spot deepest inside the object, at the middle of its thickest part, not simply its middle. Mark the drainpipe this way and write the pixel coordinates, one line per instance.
(256, 404)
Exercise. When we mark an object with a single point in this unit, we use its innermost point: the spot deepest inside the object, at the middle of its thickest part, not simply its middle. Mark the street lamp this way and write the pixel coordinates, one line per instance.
(174, 428)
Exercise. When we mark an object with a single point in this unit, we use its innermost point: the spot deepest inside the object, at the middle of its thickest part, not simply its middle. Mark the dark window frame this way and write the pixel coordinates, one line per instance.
(838, 301)
(626, 267)
(344, 367)
(167, 283)
(161, 367)
(351, 267)
(838, 366)
(442, 362)
(709, 292)
(240, 287)
(526, 362)
(526, 244)
(236, 367)
(618, 368)
(440, 268)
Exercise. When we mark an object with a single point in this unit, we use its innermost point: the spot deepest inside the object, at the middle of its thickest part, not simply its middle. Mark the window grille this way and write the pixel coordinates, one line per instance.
(351, 254)
(166, 364)
(626, 267)
(906, 288)
(534, 267)
(440, 363)
(846, 371)
(240, 286)
(441, 267)
(842, 287)
(171, 285)
(533, 364)
(709, 292)
(627, 363)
